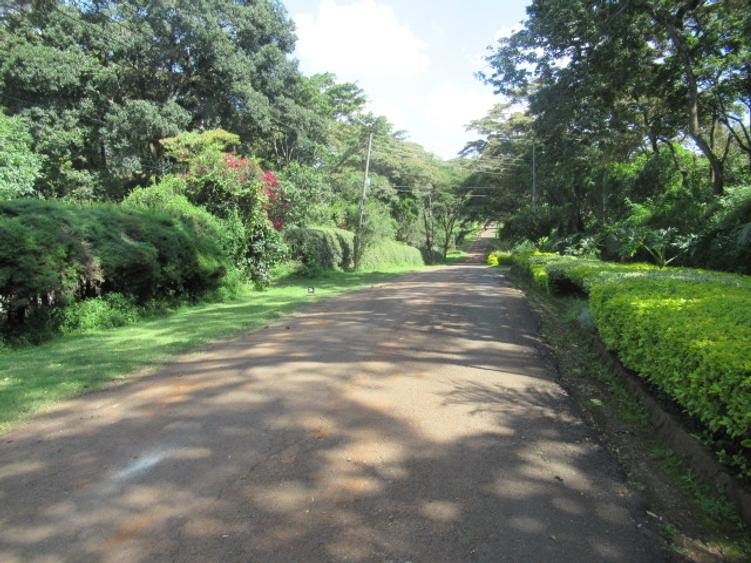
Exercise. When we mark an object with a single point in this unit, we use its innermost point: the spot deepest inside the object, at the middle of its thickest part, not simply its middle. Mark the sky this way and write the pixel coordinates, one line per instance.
(415, 59)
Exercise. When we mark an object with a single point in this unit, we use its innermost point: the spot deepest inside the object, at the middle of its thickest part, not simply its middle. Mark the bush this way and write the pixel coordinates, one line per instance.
(328, 248)
(533, 263)
(112, 310)
(53, 253)
(577, 275)
(726, 244)
(386, 253)
(686, 331)
(167, 197)
(321, 248)
(531, 222)
(690, 337)
(499, 258)
(238, 190)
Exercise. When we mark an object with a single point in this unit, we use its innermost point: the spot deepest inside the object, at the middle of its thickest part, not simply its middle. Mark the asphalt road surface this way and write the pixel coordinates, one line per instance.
(412, 421)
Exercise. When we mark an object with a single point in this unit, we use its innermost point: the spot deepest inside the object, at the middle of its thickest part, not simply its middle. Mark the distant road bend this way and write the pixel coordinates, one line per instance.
(412, 421)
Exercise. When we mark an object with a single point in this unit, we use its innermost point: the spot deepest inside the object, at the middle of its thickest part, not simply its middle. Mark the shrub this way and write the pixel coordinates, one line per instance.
(168, 197)
(690, 337)
(328, 248)
(321, 248)
(726, 243)
(236, 189)
(686, 331)
(499, 257)
(386, 253)
(576, 275)
(531, 222)
(533, 263)
(109, 311)
(52, 253)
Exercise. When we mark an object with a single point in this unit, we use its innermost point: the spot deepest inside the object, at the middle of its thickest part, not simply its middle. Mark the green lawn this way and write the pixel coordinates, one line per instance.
(36, 377)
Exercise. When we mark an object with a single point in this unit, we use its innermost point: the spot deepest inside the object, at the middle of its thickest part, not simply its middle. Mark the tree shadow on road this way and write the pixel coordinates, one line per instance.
(376, 427)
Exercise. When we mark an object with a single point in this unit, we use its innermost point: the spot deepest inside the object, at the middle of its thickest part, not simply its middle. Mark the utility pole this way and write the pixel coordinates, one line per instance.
(365, 182)
(534, 176)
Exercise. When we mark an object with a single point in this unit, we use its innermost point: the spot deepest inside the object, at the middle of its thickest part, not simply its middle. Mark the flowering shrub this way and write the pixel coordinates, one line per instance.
(276, 205)
(237, 189)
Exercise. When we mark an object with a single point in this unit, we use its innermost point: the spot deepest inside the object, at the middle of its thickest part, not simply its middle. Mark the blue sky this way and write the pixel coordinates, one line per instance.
(415, 59)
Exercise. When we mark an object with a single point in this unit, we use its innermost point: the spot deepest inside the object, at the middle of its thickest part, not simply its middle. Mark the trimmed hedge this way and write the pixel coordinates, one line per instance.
(386, 253)
(499, 258)
(328, 248)
(570, 274)
(321, 248)
(52, 253)
(690, 339)
(686, 331)
(534, 264)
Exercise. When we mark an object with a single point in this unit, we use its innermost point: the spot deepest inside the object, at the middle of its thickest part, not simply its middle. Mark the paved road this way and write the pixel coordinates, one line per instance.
(412, 421)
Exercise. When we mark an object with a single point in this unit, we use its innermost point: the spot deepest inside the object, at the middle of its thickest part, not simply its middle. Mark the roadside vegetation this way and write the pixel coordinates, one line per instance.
(636, 118)
(684, 331)
(168, 176)
(132, 184)
(698, 522)
(618, 169)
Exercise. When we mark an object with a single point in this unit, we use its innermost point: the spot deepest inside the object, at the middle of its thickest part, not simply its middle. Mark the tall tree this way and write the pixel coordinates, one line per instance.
(104, 80)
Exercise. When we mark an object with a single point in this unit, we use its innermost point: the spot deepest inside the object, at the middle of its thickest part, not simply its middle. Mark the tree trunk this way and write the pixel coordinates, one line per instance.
(693, 109)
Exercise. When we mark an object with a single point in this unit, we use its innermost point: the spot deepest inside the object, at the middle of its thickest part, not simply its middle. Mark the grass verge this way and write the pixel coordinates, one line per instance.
(34, 378)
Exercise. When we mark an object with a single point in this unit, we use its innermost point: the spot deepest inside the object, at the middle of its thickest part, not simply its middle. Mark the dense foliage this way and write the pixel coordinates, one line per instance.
(326, 248)
(54, 253)
(196, 112)
(636, 117)
(19, 165)
(321, 248)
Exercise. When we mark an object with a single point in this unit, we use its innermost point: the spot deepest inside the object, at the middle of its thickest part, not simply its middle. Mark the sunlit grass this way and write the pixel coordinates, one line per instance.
(34, 378)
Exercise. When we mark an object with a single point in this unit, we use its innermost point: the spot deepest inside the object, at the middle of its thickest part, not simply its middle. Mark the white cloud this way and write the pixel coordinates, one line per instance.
(393, 111)
(358, 40)
(446, 111)
(505, 31)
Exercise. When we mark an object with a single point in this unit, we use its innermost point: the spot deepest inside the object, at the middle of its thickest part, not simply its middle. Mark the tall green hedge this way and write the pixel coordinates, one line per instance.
(327, 248)
(386, 253)
(52, 253)
(321, 248)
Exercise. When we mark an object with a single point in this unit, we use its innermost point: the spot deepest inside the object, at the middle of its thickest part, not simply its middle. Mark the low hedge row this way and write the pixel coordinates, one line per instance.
(52, 253)
(686, 331)
(571, 274)
(328, 248)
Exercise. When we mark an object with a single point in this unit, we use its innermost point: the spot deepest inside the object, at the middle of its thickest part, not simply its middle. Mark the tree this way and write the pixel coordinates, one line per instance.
(103, 81)
(611, 74)
(448, 209)
(19, 166)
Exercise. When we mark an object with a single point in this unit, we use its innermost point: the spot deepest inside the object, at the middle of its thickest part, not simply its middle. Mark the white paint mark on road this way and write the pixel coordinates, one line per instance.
(139, 466)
